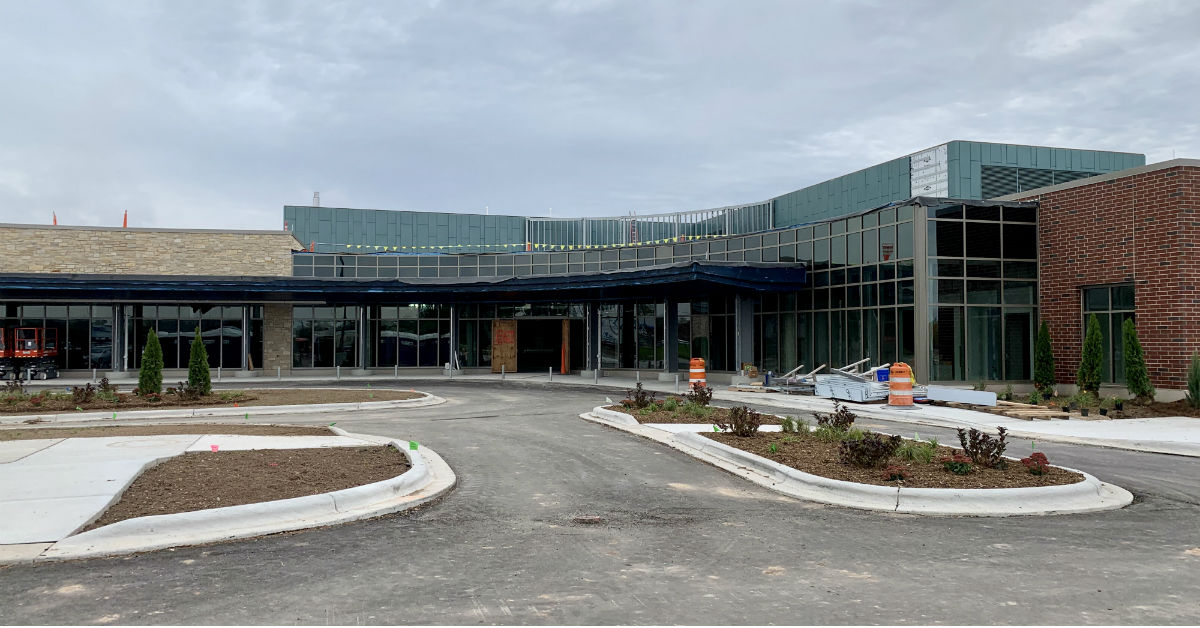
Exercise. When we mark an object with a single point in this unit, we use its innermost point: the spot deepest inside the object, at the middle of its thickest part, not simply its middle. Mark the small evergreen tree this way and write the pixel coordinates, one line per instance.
(1090, 362)
(150, 375)
(198, 376)
(1043, 361)
(1193, 381)
(1136, 377)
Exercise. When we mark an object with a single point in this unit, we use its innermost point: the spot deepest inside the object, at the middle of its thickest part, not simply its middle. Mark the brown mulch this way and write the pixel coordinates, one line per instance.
(808, 454)
(1147, 411)
(677, 416)
(201, 480)
(25, 433)
(219, 398)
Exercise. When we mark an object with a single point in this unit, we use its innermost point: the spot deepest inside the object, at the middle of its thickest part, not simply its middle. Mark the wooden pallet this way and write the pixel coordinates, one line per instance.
(1022, 411)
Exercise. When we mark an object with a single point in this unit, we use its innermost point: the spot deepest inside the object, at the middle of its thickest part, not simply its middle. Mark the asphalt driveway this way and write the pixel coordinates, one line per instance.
(557, 520)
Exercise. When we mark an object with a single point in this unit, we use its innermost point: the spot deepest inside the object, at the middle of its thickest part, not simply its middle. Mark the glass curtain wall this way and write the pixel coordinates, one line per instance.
(220, 326)
(982, 292)
(1112, 306)
(85, 332)
(324, 337)
(861, 304)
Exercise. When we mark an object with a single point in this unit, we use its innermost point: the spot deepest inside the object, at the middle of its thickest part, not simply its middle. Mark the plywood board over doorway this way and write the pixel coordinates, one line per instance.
(565, 368)
(504, 345)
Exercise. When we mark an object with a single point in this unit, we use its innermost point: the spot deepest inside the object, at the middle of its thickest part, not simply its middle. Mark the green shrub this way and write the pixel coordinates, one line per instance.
(917, 451)
(640, 397)
(853, 434)
(671, 404)
(983, 449)
(199, 379)
(741, 421)
(697, 411)
(792, 425)
(1007, 395)
(1088, 376)
(700, 394)
(958, 464)
(871, 451)
(841, 419)
(1137, 380)
(150, 375)
(981, 386)
(1035, 397)
(1043, 361)
(827, 434)
(1193, 382)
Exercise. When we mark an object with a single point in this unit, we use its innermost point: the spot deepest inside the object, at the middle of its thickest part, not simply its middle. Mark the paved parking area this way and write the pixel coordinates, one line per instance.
(676, 541)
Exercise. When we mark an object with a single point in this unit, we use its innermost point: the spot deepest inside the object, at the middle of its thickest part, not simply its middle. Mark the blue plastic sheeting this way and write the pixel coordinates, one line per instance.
(683, 279)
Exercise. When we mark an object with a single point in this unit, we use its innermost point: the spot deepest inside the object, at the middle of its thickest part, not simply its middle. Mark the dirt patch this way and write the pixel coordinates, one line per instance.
(648, 415)
(62, 401)
(202, 480)
(26, 433)
(811, 455)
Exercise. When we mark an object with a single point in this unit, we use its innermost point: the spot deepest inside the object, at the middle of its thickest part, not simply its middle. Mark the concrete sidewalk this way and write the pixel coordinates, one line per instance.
(49, 488)
(1172, 435)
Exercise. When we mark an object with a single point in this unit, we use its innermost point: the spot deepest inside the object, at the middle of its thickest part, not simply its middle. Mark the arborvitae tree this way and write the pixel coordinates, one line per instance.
(1043, 361)
(1136, 377)
(198, 376)
(150, 375)
(1090, 362)
(1193, 381)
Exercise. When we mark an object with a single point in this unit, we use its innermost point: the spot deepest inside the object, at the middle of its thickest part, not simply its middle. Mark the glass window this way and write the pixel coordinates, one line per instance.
(1020, 270)
(983, 239)
(1122, 298)
(945, 211)
(946, 344)
(946, 291)
(1020, 241)
(1020, 292)
(945, 238)
(982, 213)
(887, 243)
(1020, 214)
(983, 344)
(854, 248)
(983, 292)
(1095, 300)
(870, 246)
(821, 254)
(946, 268)
(983, 268)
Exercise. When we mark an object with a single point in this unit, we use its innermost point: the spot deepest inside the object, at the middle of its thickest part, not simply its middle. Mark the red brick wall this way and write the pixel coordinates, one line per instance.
(1145, 229)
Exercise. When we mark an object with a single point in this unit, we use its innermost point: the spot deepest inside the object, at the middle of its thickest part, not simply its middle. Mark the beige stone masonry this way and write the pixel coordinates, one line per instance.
(118, 251)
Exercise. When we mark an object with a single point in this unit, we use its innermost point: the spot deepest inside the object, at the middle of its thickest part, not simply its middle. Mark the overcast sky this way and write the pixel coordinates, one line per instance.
(210, 114)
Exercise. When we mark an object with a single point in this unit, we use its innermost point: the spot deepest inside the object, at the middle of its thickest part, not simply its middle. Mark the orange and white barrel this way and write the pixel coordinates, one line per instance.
(696, 374)
(900, 385)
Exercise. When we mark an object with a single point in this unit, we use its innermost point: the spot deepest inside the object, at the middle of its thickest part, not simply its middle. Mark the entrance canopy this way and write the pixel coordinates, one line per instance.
(679, 280)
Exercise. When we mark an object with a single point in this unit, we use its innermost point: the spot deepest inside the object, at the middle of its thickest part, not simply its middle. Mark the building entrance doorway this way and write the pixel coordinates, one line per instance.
(535, 345)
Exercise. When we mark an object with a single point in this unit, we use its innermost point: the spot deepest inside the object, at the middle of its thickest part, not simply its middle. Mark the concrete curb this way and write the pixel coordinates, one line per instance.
(312, 408)
(915, 417)
(429, 478)
(1090, 495)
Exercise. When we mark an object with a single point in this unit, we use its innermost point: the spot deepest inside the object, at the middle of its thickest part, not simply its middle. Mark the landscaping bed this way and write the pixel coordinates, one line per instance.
(809, 454)
(682, 414)
(160, 430)
(13, 401)
(202, 480)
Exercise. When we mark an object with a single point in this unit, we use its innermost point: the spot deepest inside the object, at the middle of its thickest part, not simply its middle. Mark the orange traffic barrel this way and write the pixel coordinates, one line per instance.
(900, 385)
(696, 374)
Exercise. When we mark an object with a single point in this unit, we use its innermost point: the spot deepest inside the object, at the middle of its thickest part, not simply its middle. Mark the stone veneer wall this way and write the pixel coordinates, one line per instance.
(1142, 229)
(277, 337)
(100, 250)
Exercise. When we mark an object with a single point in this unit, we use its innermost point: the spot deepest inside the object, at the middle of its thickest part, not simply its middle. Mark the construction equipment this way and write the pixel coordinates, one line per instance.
(850, 384)
(794, 382)
(28, 352)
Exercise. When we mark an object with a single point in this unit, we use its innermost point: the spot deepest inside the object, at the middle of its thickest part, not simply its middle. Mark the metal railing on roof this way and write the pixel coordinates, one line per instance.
(615, 231)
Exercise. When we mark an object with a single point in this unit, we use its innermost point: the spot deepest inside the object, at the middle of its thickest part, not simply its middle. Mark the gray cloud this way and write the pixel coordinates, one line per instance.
(217, 114)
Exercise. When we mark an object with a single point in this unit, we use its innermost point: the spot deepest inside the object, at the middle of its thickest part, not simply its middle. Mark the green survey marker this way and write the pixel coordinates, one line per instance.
(333, 424)
(715, 429)
(412, 444)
